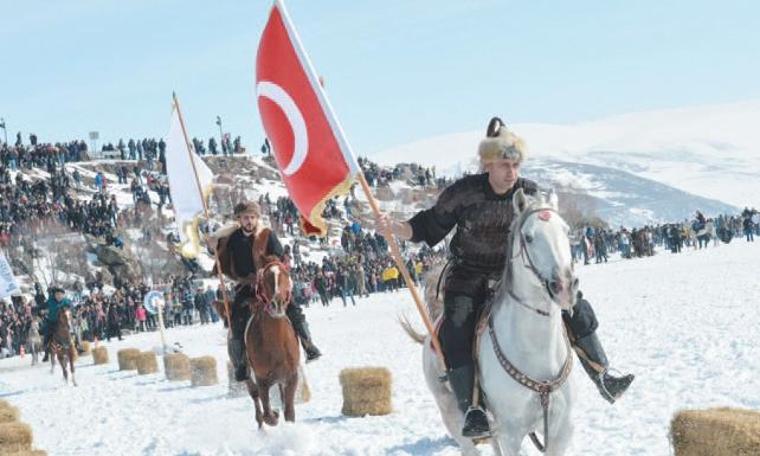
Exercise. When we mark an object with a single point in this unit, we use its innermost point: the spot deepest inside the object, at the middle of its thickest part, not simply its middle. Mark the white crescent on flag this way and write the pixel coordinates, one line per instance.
(279, 96)
(307, 141)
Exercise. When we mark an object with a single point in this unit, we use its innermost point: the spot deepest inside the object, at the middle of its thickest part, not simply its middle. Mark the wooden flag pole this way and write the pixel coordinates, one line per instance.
(396, 255)
(205, 212)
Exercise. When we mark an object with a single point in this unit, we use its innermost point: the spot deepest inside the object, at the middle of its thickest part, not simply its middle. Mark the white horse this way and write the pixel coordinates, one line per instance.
(34, 340)
(525, 336)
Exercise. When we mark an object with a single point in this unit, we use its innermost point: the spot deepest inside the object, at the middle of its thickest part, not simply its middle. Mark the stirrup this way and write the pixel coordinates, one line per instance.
(603, 388)
(477, 435)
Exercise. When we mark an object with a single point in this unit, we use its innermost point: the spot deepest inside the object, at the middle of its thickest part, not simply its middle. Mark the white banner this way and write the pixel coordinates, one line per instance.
(8, 282)
(186, 196)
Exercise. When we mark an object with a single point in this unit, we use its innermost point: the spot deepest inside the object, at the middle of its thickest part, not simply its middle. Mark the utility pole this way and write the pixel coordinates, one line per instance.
(5, 130)
(221, 133)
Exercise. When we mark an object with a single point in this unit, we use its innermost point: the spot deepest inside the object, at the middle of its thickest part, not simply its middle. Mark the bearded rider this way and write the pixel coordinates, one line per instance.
(480, 207)
(235, 245)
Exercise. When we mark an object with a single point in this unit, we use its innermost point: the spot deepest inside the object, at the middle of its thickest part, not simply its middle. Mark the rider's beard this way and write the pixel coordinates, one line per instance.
(248, 229)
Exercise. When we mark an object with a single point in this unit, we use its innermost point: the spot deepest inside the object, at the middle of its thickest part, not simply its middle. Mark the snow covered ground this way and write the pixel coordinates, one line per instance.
(685, 324)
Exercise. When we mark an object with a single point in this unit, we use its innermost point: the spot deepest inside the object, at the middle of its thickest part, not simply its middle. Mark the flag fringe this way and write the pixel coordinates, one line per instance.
(315, 218)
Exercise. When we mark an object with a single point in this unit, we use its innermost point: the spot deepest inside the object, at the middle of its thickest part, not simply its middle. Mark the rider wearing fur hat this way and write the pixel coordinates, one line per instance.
(235, 245)
(480, 207)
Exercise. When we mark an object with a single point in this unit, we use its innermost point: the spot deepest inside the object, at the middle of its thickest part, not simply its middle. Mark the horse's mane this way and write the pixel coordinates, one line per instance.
(266, 259)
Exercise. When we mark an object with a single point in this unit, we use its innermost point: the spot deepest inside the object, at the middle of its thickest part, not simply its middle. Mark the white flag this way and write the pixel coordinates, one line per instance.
(8, 282)
(185, 191)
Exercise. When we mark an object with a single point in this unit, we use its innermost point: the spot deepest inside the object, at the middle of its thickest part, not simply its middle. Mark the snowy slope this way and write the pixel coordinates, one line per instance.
(689, 344)
(709, 151)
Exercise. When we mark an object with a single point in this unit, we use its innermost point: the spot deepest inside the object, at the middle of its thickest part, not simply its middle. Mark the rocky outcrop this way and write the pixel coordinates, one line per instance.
(120, 263)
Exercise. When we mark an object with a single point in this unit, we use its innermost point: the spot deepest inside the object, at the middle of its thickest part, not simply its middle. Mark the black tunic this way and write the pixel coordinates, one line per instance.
(482, 219)
(240, 247)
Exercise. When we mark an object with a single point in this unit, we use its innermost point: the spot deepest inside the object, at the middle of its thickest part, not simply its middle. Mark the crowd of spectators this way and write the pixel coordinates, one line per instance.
(596, 244)
(355, 266)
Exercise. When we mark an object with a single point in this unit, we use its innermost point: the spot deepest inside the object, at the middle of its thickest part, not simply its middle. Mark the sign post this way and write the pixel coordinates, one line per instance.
(154, 304)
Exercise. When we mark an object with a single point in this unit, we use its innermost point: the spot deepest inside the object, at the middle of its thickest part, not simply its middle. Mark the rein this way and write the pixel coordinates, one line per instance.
(543, 388)
(527, 261)
(262, 301)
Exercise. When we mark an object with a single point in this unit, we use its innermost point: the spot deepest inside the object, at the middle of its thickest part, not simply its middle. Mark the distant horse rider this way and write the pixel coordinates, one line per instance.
(55, 303)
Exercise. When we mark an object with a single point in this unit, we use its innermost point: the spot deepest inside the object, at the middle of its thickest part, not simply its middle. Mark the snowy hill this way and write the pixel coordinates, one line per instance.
(710, 152)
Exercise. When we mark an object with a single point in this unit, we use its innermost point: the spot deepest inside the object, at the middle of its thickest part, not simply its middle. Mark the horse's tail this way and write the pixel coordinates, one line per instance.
(410, 331)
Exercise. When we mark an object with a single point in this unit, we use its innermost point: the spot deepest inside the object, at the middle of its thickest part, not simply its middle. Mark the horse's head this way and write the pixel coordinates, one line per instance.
(64, 318)
(274, 287)
(539, 237)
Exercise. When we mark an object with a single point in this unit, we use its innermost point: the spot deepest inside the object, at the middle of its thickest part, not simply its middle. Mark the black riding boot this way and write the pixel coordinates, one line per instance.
(594, 362)
(298, 320)
(462, 381)
(302, 330)
(236, 343)
(236, 349)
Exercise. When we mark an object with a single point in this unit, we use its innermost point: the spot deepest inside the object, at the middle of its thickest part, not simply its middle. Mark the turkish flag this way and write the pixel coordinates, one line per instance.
(308, 143)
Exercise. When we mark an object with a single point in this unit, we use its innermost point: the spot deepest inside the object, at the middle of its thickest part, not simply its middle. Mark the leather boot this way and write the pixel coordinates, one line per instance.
(594, 362)
(302, 330)
(462, 381)
(46, 347)
(236, 349)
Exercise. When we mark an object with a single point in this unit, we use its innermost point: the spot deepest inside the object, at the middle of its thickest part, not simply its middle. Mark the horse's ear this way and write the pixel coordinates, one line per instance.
(519, 201)
(553, 199)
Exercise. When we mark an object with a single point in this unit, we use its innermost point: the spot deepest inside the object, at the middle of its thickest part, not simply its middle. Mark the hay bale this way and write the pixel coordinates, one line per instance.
(366, 391)
(177, 367)
(100, 355)
(26, 453)
(86, 348)
(203, 371)
(716, 432)
(8, 413)
(128, 358)
(146, 363)
(236, 389)
(15, 437)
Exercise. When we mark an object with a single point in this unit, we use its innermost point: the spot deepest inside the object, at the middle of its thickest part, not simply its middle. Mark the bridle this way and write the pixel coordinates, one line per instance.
(524, 254)
(262, 301)
(543, 388)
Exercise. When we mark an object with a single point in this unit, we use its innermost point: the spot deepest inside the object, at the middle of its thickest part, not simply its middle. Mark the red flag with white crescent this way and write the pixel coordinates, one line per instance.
(308, 143)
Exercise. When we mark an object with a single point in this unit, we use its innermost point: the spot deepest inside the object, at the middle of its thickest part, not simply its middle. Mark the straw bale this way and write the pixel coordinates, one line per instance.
(86, 347)
(203, 371)
(716, 432)
(146, 363)
(366, 391)
(128, 358)
(8, 413)
(100, 355)
(177, 367)
(15, 436)
(26, 453)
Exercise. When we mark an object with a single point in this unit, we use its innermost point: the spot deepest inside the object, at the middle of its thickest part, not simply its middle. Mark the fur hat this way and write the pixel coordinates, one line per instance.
(501, 144)
(247, 207)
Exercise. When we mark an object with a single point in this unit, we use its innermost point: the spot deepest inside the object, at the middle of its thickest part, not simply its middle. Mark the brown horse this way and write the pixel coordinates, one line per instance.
(271, 343)
(62, 346)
